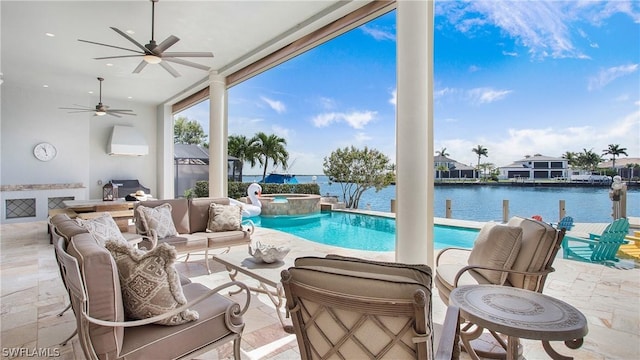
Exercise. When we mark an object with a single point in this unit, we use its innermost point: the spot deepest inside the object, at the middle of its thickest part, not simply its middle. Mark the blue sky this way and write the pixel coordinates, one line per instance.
(517, 77)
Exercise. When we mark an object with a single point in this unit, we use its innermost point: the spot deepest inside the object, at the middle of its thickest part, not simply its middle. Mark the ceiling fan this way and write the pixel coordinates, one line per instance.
(100, 109)
(153, 53)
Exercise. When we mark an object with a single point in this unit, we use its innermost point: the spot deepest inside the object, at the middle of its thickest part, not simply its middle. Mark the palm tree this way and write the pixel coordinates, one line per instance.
(270, 147)
(614, 150)
(442, 152)
(243, 148)
(480, 151)
(487, 168)
(571, 158)
(588, 160)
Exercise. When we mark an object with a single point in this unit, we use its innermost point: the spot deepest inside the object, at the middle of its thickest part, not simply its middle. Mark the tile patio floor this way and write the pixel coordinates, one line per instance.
(32, 295)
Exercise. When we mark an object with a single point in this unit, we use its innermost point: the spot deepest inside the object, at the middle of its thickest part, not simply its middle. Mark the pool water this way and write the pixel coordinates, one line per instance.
(359, 231)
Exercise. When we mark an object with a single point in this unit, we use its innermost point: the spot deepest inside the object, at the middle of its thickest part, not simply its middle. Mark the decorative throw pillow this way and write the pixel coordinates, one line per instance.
(103, 228)
(150, 283)
(159, 219)
(224, 217)
(497, 247)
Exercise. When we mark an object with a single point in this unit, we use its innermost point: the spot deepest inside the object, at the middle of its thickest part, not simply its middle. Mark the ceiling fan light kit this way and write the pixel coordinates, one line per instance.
(101, 109)
(152, 59)
(154, 53)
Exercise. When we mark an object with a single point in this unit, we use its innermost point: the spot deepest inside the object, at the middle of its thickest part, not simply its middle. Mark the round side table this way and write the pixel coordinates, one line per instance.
(518, 313)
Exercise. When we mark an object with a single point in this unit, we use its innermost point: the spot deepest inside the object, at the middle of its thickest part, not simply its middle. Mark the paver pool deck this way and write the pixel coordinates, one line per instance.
(33, 294)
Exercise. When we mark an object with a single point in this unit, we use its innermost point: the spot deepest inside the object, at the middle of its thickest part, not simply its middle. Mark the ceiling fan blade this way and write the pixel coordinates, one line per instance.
(112, 114)
(170, 69)
(187, 54)
(112, 46)
(117, 57)
(187, 63)
(121, 113)
(70, 108)
(140, 67)
(120, 110)
(146, 51)
(79, 111)
(167, 43)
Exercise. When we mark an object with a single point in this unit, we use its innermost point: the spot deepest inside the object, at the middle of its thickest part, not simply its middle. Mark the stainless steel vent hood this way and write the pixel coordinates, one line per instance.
(126, 140)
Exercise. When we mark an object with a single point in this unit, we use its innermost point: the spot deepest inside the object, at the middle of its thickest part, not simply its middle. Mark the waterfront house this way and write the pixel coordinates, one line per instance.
(454, 169)
(536, 167)
(627, 167)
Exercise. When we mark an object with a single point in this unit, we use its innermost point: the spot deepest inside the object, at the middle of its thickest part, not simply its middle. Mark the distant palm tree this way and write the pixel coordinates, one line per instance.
(571, 158)
(487, 168)
(480, 151)
(443, 152)
(243, 148)
(270, 147)
(614, 150)
(588, 160)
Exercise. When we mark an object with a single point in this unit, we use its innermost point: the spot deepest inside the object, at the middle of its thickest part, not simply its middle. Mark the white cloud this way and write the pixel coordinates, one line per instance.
(362, 137)
(358, 119)
(510, 53)
(282, 132)
(486, 95)
(608, 75)
(394, 97)
(473, 68)
(324, 120)
(538, 25)
(327, 103)
(439, 93)
(355, 119)
(276, 105)
(377, 33)
(247, 126)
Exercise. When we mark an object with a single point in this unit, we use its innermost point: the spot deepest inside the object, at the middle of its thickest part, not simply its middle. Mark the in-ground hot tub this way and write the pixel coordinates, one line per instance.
(289, 204)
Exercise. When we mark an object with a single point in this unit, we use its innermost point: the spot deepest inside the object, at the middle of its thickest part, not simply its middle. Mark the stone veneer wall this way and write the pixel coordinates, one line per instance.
(296, 204)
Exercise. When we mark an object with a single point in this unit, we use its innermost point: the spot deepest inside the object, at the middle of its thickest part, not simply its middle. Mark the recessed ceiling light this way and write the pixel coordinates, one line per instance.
(90, 91)
(45, 85)
(130, 32)
(109, 64)
(50, 34)
(129, 97)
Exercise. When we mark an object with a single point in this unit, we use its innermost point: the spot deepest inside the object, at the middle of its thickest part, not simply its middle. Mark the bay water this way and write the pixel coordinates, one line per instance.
(484, 203)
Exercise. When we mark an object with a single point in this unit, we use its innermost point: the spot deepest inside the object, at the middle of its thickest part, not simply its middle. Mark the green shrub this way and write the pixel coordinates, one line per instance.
(201, 189)
(237, 190)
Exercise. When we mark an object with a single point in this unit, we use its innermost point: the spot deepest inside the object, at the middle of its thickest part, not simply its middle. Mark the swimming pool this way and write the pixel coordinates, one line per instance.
(359, 231)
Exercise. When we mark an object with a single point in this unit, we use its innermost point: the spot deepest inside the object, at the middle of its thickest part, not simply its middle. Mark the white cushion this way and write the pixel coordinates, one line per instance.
(497, 247)
(103, 228)
(149, 282)
(159, 219)
(224, 217)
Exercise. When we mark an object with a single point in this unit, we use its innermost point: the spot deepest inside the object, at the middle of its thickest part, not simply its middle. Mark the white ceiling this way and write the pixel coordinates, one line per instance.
(237, 32)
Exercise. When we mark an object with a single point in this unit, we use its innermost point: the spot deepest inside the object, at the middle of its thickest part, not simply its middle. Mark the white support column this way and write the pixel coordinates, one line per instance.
(165, 180)
(414, 133)
(218, 133)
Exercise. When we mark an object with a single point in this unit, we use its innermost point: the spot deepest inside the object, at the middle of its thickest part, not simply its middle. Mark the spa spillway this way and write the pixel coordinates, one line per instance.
(289, 204)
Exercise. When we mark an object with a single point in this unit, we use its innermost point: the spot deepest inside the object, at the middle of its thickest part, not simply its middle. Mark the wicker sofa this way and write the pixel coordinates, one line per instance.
(190, 218)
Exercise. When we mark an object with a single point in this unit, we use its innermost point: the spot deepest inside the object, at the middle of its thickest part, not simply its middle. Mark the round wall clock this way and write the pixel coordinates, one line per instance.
(45, 151)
